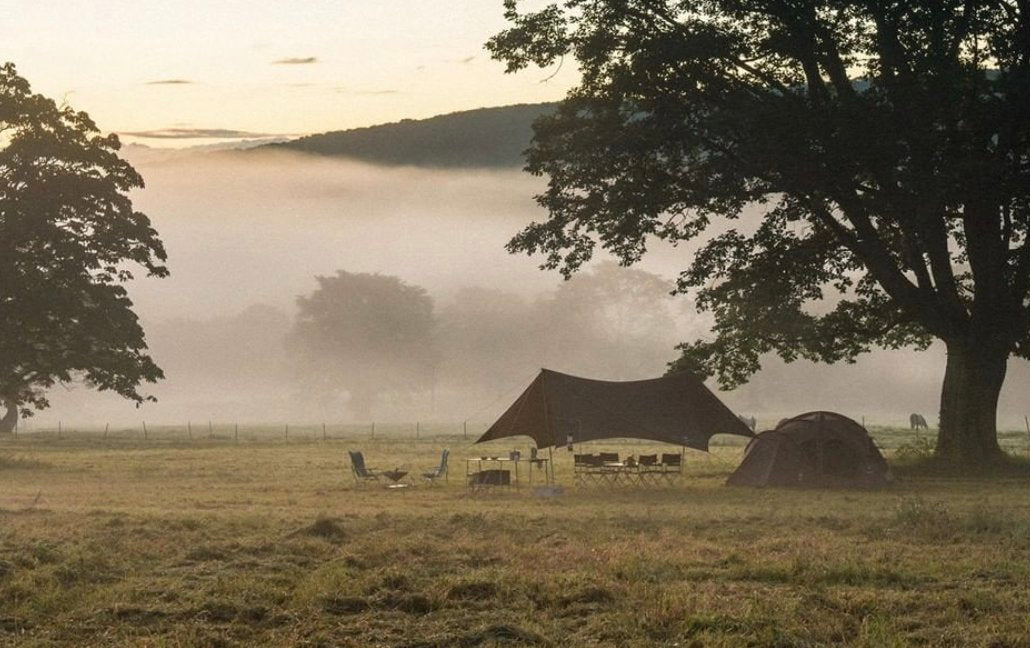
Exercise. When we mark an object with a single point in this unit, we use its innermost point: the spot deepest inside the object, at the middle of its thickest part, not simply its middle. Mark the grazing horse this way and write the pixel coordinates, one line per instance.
(917, 422)
(749, 421)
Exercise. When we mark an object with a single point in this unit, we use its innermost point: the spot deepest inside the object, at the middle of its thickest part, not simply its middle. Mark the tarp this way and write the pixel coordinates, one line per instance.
(677, 408)
(815, 450)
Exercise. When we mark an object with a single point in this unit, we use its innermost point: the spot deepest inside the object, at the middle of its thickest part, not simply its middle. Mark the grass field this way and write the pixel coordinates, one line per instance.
(213, 543)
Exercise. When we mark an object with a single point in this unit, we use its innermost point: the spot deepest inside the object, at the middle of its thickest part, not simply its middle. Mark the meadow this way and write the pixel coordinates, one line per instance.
(169, 541)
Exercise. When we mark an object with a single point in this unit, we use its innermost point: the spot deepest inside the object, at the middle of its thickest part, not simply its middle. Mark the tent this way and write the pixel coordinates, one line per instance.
(813, 450)
(558, 407)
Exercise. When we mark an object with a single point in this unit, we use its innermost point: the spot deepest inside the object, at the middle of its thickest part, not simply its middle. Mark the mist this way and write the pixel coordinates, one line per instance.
(248, 232)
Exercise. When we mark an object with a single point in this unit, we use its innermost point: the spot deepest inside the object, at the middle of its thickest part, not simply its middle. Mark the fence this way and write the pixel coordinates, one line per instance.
(887, 437)
(209, 431)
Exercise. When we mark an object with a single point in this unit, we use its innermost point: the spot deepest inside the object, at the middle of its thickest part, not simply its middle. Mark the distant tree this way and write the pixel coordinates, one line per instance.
(885, 143)
(68, 233)
(488, 338)
(367, 334)
(614, 321)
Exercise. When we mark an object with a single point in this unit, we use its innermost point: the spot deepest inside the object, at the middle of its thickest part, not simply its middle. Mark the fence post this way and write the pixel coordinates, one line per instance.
(210, 430)
(107, 426)
(58, 429)
(465, 429)
(286, 433)
(144, 430)
(417, 429)
(323, 431)
(189, 429)
(236, 432)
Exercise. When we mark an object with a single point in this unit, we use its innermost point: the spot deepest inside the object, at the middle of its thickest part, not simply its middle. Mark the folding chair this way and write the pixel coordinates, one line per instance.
(439, 471)
(362, 474)
(672, 466)
(610, 473)
(648, 468)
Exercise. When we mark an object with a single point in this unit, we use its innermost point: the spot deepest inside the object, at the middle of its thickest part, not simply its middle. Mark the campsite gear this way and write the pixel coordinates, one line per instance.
(362, 474)
(479, 474)
(395, 476)
(677, 408)
(510, 465)
(816, 449)
(439, 471)
(490, 477)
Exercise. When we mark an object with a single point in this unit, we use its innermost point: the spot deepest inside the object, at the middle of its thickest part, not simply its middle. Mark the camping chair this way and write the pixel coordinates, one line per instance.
(672, 465)
(439, 471)
(588, 468)
(362, 474)
(648, 468)
(580, 466)
(610, 473)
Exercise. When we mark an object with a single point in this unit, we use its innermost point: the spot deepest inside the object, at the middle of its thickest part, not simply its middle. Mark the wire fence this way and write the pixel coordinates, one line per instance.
(210, 431)
(887, 436)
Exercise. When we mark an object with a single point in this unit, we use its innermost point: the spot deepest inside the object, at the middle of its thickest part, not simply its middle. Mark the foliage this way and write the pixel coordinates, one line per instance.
(884, 145)
(366, 333)
(68, 234)
(609, 321)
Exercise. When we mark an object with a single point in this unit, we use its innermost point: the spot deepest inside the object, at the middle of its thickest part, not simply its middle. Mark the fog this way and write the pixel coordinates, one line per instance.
(247, 233)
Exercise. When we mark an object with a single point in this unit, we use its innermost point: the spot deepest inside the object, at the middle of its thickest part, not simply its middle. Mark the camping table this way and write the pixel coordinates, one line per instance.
(540, 462)
(500, 461)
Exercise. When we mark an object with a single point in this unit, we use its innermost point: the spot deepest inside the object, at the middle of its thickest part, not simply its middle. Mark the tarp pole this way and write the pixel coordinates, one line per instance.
(550, 460)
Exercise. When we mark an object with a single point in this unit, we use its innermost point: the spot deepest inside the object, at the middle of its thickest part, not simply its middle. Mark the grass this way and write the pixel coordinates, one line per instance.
(218, 544)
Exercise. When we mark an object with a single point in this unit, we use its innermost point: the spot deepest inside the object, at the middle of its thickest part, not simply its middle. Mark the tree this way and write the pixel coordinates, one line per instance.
(367, 334)
(612, 321)
(68, 233)
(885, 143)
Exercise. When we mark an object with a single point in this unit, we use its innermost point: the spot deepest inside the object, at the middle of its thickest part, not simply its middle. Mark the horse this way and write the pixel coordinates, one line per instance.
(917, 422)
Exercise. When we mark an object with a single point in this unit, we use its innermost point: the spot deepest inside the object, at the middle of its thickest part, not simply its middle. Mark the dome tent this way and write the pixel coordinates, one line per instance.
(816, 449)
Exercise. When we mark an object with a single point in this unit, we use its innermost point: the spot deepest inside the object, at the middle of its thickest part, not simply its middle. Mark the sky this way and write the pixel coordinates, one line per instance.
(191, 72)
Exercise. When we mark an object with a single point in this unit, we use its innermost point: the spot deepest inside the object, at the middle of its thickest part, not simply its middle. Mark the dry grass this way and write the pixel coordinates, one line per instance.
(210, 544)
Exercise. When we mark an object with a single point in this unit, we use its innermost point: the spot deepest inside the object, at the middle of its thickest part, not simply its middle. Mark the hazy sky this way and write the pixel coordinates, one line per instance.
(260, 68)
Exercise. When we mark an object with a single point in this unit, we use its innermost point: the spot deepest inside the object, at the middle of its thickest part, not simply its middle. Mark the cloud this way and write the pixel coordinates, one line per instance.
(299, 60)
(170, 82)
(467, 59)
(198, 133)
(367, 93)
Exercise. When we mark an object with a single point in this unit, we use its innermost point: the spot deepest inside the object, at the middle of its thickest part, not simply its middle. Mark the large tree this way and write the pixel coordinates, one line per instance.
(68, 239)
(366, 334)
(885, 146)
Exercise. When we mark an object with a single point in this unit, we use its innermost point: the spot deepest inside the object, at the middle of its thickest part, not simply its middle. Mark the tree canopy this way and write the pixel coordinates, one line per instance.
(366, 334)
(69, 238)
(883, 145)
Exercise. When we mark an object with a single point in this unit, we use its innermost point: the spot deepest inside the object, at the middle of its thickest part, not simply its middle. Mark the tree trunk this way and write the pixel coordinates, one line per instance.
(969, 405)
(10, 419)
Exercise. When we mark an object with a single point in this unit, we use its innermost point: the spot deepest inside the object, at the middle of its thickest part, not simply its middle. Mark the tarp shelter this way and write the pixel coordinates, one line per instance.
(817, 449)
(677, 408)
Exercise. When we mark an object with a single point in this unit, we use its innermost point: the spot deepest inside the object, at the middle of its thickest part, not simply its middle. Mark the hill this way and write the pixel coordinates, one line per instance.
(486, 137)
